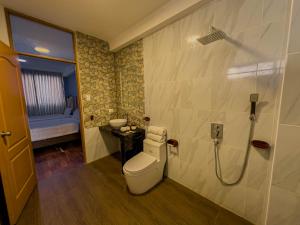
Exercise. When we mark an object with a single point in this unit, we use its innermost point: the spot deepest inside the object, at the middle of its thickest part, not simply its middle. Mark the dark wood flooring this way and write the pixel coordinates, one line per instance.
(96, 194)
(51, 160)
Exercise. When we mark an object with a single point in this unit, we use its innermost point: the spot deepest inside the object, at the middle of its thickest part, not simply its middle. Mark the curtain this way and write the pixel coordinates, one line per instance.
(44, 92)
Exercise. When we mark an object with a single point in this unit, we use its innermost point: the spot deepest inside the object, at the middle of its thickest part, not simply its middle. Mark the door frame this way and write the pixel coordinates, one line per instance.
(9, 12)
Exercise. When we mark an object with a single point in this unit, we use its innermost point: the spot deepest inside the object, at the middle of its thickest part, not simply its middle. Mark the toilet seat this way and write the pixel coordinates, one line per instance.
(140, 163)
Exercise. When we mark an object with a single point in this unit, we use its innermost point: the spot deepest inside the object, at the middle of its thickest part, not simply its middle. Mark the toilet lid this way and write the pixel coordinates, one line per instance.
(140, 162)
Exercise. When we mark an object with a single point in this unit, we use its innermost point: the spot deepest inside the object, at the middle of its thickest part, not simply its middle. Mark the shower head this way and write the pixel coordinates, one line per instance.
(214, 35)
(253, 100)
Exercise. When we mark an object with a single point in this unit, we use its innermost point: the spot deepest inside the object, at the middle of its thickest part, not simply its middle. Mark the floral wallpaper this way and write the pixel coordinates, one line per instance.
(97, 80)
(129, 71)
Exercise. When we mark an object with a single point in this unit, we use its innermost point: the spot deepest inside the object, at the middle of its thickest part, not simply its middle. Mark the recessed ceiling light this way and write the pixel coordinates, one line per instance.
(22, 60)
(41, 49)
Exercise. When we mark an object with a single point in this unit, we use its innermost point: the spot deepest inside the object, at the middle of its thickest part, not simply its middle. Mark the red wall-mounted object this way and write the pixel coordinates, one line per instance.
(261, 144)
(172, 142)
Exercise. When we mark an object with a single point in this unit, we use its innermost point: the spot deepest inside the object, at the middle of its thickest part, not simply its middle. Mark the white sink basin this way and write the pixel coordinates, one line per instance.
(117, 123)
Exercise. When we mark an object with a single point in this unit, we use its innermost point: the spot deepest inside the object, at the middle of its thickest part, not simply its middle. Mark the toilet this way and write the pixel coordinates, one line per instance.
(145, 170)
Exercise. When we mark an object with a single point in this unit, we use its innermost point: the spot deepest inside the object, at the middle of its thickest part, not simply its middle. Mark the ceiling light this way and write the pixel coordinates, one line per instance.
(41, 49)
(22, 60)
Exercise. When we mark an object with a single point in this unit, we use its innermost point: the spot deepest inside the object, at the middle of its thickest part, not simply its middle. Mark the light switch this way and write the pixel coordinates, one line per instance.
(88, 97)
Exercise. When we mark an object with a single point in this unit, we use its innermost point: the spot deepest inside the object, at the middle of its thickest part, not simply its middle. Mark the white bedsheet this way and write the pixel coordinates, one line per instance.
(41, 129)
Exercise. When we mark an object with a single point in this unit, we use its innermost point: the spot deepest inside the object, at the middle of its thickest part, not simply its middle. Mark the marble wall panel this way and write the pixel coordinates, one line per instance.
(188, 86)
(284, 203)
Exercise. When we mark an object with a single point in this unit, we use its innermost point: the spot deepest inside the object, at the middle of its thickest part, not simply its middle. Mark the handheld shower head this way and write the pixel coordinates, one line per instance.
(254, 97)
(214, 35)
(253, 100)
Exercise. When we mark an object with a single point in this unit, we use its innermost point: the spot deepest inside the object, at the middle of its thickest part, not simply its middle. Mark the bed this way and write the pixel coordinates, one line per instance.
(53, 129)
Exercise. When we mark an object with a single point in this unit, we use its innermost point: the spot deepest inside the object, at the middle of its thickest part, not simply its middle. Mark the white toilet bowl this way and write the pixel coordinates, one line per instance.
(145, 170)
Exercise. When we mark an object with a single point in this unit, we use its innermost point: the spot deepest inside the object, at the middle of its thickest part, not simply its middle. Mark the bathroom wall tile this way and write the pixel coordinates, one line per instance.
(254, 208)
(284, 207)
(220, 59)
(245, 54)
(232, 95)
(189, 64)
(291, 92)
(187, 120)
(257, 48)
(165, 66)
(165, 41)
(231, 161)
(230, 197)
(168, 119)
(196, 94)
(236, 129)
(275, 10)
(271, 43)
(236, 15)
(234, 199)
(189, 85)
(258, 170)
(269, 88)
(294, 44)
(284, 203)
(99, 144)
(190, 166)
(191, 29)
(173, 166)
(286, 173)
(264, 126)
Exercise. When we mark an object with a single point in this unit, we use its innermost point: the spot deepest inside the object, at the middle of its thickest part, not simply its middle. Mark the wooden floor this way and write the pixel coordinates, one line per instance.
(96, 194)
(51, 160)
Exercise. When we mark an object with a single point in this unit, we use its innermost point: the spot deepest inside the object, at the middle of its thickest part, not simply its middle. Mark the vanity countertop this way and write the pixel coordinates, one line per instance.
(135, 137)
(118, 133)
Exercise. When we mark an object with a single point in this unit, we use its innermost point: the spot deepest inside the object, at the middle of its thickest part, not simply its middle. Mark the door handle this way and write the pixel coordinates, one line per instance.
(5, 133)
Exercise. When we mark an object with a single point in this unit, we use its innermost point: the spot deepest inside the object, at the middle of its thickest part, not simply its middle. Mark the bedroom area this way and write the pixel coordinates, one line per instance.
(49, 79)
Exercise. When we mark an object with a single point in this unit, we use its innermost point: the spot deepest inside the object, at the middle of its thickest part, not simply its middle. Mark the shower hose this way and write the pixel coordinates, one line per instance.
(218, 169)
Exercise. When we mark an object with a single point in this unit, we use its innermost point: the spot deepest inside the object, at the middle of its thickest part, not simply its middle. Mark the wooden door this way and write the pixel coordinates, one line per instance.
(16, 156)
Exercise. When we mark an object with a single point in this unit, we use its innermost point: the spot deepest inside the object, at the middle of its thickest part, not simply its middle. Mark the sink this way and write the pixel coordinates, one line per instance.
(117, 123)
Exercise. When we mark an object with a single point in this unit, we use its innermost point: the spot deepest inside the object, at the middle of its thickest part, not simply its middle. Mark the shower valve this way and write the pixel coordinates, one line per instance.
(216, 131)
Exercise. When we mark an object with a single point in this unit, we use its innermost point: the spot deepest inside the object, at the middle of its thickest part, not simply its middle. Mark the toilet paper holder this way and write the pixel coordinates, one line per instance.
(147, 118)
(172, 142)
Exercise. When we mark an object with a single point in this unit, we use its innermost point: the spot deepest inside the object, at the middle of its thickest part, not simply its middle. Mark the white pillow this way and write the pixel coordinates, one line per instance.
(68, 111)
(76, 115)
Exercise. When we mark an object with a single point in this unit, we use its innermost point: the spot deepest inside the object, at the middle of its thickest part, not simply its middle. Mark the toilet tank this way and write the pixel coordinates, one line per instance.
(155, 149)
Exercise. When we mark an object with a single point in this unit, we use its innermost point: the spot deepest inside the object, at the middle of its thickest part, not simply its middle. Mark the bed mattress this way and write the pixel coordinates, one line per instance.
(48, 117)
(42, 129)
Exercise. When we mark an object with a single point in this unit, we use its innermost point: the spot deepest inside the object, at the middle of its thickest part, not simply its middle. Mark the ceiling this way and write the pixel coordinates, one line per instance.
(104, 19)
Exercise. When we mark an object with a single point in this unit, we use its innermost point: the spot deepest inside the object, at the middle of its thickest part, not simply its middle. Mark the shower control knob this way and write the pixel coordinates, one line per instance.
(216, 131)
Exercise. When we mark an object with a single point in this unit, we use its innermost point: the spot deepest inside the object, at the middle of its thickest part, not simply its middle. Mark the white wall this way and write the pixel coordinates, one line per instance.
(3, 27)
(188, 86)
(99, 144)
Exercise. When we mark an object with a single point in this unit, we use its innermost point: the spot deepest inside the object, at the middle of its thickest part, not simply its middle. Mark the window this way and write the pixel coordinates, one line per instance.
(34, 38)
